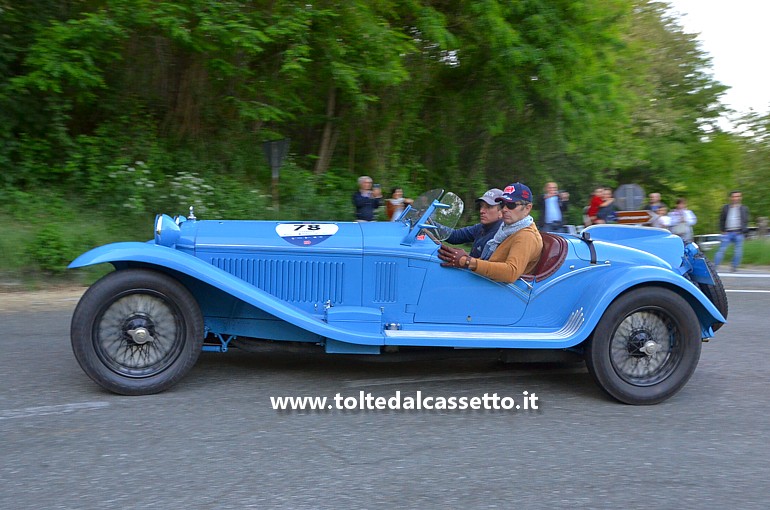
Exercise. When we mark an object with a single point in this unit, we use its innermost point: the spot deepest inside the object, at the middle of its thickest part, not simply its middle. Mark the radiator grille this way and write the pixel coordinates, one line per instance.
(299, 281)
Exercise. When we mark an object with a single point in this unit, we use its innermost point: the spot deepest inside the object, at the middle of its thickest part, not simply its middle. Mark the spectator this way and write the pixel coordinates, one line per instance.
(366, 199)
(662, 219)
(682, 220)
(395, 205)
(734, 225)
(654, 203)
(593, 207)
(607, 210)
(515, 248)
(552, 206)
(490, 216)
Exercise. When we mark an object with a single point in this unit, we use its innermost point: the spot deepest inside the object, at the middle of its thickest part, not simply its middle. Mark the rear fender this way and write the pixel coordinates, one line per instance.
(128, 254)
(620, 280)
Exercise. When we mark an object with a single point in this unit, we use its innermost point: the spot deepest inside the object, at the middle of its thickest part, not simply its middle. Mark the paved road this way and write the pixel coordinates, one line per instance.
(214, 441)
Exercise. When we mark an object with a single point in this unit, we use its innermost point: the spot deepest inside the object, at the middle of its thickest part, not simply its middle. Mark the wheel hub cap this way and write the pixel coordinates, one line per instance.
(649, 348)
(140, 335)
(641, 344)
(139, 329)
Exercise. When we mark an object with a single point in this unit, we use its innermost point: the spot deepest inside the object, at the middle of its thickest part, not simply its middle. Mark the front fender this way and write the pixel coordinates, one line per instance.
(115, 253)
(621, 279)
(131, 253)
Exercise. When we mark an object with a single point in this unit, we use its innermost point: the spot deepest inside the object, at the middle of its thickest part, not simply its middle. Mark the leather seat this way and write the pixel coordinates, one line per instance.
(551, 258)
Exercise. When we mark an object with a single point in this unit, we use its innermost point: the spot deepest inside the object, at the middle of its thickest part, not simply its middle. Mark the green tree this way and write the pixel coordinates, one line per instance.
(451, 93)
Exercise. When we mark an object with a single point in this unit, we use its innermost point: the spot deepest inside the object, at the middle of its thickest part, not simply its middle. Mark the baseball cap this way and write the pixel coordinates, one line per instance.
(491, 196)
(516, 192)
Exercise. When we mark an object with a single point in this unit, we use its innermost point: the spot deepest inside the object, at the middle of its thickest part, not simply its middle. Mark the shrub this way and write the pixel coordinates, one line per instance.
(50, 250)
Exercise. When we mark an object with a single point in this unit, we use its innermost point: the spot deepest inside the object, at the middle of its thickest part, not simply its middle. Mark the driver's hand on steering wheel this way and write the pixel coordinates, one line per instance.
(451, 257)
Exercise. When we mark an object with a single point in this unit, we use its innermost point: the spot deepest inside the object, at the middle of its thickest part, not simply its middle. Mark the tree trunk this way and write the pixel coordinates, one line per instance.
(329, 136)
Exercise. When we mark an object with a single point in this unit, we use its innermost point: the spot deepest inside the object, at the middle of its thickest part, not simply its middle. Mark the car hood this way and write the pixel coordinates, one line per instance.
(352, 238)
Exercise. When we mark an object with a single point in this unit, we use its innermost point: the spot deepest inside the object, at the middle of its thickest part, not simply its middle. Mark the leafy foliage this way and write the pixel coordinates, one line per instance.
(417, 93)
(49, 250)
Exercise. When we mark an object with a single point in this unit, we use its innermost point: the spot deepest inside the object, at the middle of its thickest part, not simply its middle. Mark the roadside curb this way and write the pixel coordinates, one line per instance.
(20, 300)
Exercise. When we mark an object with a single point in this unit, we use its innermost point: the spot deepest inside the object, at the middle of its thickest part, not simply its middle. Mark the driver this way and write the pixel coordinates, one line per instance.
(515, 248)
(490, 216)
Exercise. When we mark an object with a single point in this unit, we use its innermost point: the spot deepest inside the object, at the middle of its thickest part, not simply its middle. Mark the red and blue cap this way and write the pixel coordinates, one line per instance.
(516, 192)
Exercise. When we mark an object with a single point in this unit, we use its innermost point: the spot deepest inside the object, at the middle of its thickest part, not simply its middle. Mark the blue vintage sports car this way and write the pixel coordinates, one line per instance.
(635, 303)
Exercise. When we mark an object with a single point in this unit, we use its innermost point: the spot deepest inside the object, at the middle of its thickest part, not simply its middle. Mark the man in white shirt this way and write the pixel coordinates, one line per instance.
(552, 206)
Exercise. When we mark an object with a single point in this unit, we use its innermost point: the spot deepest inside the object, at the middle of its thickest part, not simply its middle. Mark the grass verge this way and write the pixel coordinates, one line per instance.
(756, 252)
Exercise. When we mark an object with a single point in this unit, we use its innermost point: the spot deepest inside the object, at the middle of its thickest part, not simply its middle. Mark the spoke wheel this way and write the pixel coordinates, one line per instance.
(137, 332)
(646, 346)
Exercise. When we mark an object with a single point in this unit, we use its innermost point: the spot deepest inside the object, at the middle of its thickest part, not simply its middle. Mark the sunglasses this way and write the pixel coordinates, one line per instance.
(513, 205)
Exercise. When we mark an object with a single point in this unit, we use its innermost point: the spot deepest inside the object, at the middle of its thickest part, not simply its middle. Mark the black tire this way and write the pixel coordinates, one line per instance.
(137, 332)
(715, 293)
(616, 356)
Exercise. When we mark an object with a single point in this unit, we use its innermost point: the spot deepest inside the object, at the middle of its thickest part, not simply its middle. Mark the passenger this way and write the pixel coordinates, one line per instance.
(491, 217)
(515, 248)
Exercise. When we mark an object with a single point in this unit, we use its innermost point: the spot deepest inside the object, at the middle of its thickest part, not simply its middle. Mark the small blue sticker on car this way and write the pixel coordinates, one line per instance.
(306, 234)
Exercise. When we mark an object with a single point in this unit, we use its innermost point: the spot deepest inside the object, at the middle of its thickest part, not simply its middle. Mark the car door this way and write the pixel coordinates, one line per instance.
(457, 296)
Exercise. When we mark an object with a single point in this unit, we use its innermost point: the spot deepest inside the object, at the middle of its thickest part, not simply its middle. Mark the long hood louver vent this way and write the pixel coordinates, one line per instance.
(385, 282)
(299, 281)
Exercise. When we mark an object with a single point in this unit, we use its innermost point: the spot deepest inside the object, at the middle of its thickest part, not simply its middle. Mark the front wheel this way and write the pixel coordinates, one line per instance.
(646, 346)
(137, 332)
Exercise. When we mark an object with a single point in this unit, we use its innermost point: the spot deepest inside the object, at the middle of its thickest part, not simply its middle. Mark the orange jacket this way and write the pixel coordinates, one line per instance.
(515, 256)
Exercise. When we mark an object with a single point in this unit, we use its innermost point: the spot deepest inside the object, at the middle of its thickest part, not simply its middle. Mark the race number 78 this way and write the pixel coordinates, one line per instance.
(307, 227)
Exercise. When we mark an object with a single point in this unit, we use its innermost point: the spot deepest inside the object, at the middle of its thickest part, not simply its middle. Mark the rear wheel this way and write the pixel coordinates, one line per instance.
(137, 332)
(646, 346)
